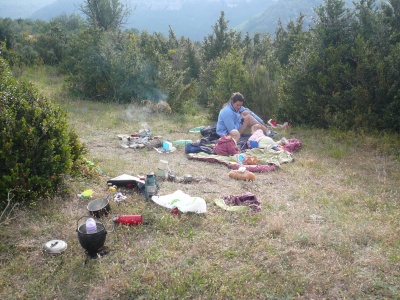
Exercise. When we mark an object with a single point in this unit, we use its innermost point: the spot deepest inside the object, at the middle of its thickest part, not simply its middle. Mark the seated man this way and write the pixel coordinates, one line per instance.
(235, 116)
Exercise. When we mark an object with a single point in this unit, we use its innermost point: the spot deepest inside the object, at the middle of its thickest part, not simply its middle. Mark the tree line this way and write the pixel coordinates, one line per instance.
(342, 71)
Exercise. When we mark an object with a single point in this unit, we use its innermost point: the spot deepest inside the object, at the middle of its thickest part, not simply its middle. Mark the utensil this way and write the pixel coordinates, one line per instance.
(99, 207)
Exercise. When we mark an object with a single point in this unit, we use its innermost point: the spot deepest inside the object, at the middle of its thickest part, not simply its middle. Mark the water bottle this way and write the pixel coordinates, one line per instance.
(91, 226)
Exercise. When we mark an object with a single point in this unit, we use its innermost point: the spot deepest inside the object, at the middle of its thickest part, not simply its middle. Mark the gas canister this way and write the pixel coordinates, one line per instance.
(129, 220)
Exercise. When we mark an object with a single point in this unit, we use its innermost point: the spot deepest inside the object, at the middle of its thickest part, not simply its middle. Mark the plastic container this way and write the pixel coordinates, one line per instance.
(91, 226)
(163, 164)
(167, 145)
(239, 158)
(181, 142)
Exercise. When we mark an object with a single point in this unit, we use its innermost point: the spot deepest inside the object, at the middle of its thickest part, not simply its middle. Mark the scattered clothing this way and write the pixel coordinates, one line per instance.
(292, 145)
(246, 199)
(203, 145)
(236, 208)
(119, 197)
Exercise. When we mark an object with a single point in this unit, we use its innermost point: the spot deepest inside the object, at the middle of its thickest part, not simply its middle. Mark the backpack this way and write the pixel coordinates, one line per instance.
(210, 132)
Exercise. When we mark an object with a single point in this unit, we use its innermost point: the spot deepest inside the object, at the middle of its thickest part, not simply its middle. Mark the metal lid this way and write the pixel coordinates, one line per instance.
(55, 247)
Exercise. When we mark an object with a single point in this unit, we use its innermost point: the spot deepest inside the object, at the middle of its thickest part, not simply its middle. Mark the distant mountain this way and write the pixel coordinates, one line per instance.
(16, 9)
(195, 19)
(286, 11)
(56, 8)
(189, 18)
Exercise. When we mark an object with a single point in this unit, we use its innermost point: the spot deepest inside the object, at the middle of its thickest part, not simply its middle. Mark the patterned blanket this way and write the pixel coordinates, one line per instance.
(268, 160)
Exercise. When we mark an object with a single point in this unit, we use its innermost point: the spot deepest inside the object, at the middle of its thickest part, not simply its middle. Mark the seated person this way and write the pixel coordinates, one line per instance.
(227, 144)
(264, 141)
(235, 116)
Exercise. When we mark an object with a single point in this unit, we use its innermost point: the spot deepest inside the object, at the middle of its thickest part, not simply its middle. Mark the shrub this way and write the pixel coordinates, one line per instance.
(36, 146)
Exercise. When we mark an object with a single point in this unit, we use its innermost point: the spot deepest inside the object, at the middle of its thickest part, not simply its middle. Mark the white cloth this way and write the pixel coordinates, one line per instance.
(181, 201)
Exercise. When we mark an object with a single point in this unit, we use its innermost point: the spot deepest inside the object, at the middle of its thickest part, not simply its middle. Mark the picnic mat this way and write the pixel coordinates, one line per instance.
(228, 161)
(268, 160)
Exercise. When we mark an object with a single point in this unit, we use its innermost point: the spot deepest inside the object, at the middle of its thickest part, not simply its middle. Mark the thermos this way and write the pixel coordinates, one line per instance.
(150, 186)
(129, 220)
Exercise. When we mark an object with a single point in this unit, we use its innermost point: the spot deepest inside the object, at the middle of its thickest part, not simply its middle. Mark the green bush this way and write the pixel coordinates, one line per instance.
(36, 147)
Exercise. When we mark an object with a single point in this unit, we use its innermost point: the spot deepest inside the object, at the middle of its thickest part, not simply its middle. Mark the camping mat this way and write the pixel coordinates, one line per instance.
(229, 162)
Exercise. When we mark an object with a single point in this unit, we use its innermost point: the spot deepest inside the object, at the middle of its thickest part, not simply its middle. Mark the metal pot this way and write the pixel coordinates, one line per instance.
(171, 176)
(99, 207)
(187, 178)
(91, 242)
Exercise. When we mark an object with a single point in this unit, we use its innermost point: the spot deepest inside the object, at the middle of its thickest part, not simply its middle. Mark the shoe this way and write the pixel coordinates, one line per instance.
(273, 123)
(284, 125)
(273, 135)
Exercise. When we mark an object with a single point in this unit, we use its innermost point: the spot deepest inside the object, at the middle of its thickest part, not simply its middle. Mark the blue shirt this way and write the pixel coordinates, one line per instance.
(229, 119)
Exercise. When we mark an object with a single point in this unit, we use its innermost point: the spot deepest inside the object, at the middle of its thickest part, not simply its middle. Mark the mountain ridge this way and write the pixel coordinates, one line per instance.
(190, 18)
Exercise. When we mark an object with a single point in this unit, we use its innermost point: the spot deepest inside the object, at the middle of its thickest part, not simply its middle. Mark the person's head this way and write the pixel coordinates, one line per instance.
(235, 134)
(237, 100)
(255, 127)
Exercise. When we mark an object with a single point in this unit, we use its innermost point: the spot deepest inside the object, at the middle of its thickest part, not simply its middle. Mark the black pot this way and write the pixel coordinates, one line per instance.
(91, 242)
(99, 207)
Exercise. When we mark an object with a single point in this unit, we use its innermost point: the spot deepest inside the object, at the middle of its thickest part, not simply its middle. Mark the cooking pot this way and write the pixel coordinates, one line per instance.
(91, 241)
(187, 178)
(99, 207)
(171, 176)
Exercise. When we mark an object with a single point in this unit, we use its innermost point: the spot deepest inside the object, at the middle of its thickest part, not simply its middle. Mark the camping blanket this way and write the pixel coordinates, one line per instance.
(230, 162)
(270, 156)
(268, 159)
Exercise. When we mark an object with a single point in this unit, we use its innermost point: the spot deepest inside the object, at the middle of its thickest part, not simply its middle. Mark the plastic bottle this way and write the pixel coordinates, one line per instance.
(239, 158)
(91, 226)
(181, 142)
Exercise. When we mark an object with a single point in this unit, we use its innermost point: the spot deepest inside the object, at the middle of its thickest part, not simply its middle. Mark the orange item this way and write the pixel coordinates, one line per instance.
(246, 175)
(250, 160)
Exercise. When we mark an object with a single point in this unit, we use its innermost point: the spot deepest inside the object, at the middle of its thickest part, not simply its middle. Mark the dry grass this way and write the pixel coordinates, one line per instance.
(328, 229)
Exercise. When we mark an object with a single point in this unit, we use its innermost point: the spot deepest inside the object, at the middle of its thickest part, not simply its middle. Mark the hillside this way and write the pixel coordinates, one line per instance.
(189, 18)
(21, 8)
(267, 20)
(328, 226)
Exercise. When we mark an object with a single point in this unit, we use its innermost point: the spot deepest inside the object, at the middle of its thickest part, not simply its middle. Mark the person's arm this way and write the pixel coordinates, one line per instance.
(226, 122)
(233, 148)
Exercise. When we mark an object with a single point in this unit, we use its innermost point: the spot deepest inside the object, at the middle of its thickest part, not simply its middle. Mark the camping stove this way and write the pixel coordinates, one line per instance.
(92, 241)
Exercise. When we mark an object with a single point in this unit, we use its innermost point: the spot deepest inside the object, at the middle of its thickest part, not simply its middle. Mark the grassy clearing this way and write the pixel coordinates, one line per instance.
(328, 229)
